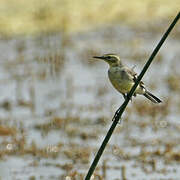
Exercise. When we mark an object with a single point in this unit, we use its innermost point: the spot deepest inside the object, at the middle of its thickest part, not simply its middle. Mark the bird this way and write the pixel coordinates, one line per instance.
(123, 78)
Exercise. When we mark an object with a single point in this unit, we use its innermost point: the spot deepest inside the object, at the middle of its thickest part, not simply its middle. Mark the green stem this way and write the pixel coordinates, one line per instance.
(120, 111)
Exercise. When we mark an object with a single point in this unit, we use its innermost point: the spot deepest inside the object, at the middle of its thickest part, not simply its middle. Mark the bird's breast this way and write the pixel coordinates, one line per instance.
(120, 80)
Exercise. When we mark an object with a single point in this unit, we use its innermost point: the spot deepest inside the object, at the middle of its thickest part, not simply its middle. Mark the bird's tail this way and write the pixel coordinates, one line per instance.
(152, 97)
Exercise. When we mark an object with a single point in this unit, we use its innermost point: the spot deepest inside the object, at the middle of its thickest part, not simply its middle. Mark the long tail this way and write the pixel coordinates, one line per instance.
(152, 97)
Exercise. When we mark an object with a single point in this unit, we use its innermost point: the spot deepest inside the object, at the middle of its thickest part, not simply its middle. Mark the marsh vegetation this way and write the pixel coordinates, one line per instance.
(56, 102)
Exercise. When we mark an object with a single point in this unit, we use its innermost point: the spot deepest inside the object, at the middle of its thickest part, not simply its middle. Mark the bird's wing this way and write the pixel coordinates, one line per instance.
(134, 76)
(132, 73)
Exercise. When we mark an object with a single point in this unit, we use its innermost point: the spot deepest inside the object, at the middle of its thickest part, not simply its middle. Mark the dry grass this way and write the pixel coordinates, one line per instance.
(24, 17)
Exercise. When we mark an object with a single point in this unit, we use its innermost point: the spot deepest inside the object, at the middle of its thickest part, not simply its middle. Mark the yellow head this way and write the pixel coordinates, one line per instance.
(111, 59)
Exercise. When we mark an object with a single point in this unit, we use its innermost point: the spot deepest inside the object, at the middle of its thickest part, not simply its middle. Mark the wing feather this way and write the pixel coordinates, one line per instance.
(134, 76)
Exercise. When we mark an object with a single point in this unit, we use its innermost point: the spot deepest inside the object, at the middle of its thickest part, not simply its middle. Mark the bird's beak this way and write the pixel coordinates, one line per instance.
(98, 57)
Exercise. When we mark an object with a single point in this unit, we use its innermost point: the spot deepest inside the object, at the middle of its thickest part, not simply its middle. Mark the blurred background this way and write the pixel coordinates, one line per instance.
(56, 102)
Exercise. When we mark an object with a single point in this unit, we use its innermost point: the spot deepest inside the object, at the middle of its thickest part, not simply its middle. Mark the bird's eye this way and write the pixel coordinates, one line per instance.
(108, 57)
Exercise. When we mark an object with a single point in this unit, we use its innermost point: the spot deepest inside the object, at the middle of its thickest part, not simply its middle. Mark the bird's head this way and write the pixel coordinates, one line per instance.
(111, 59)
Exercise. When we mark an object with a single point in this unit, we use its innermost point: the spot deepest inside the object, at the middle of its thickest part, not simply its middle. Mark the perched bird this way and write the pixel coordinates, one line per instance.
(123, 78)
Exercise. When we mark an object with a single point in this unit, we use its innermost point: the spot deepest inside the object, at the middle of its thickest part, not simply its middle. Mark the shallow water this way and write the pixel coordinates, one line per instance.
(59, 103)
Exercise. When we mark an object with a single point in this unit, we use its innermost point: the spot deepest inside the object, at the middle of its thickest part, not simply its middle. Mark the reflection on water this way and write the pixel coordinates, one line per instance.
(57, 104)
